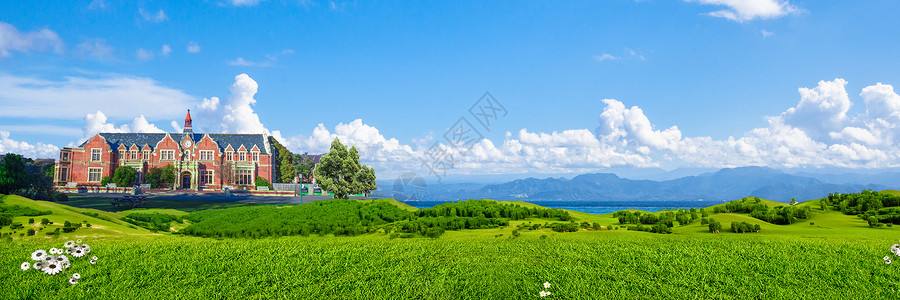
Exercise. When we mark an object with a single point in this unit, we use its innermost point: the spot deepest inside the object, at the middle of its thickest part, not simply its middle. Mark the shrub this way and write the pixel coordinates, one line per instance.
(30, 231)
(46, 221)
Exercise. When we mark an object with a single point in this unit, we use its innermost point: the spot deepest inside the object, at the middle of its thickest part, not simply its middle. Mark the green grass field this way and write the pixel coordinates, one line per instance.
(838, 257)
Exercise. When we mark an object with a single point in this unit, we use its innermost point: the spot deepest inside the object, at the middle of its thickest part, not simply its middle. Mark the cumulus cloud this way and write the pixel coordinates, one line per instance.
(154, 17)
(74, 97)
(166, 50)
(244, 2)
(235, 115)
(193, 47)
(95, 48)
(97, 122)
(745, 10)
(38, 150)
(11, 39)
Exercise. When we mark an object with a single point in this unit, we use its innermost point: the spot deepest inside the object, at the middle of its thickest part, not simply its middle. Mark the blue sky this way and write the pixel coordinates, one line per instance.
(704, 83)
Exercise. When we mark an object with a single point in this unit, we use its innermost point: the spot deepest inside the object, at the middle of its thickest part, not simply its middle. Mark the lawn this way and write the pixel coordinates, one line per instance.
(838, 257)
(103, 203)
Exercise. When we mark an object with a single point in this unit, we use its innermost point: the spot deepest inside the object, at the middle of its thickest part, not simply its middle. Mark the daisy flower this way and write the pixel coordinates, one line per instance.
(53, 268)
(94, 258)
(78, 253)
(39, 265)
(73, 280)
(76, 276)
(69, 251)
(543, 294)
(887, 261)
(62, 259)
(49, 258)
(26, 266)
(78, 241)
(93, 262)
(38, 255)
(546, 285)
(69, 244)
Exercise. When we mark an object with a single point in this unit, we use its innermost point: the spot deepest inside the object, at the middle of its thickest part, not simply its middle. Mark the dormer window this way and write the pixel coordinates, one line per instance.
(242, 156)
(134, 154)
(255, 156)
(229, 156)
(146, 155)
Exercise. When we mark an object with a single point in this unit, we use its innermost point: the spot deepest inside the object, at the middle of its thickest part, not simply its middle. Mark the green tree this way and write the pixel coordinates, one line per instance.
(305, 168)
(124, 176)
(340, 172)
(154, 177)
(793, 201)
(168, 175)
(12, 173)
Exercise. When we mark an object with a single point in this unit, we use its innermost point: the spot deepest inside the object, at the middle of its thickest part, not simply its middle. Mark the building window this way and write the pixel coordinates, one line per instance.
(63, 174)
(168, 154)
(146, 154)
(242, 156)
(255, 156)
(206, 176)
(206, 155)
(187, 155)
(133, 154)
(64, 156)
(244, 177)
(95, 154)
(229, 156)
(94, 174)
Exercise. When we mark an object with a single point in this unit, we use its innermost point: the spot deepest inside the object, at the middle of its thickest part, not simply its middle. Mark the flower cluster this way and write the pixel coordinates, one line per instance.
(545, 293)
(57, 260)
(895, 250)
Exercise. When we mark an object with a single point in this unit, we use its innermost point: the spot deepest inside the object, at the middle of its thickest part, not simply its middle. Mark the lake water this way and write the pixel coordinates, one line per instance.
(601, 207)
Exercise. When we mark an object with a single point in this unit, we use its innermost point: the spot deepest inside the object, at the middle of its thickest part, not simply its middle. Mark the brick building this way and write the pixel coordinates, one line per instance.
(199, 159)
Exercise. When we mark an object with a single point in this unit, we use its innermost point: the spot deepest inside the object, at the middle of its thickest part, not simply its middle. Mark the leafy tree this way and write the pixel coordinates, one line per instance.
(226, 172)
(124, 176)
(105, 180)
(714, 226)
(305, 167)
(154, 177)
(168, 175)
(340, 172)
(12, 173)
(793, 201)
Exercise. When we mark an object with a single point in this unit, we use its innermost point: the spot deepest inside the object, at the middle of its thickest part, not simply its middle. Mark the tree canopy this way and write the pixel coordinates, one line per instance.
(340, 172)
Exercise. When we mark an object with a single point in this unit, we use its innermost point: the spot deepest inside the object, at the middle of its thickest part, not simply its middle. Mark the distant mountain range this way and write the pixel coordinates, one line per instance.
(724, 184)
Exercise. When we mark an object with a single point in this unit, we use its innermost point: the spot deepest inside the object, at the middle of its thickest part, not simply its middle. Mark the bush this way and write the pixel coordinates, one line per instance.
(105, 180)
(742, 227)
(16, 225)
(263, 182)
(30, 231)
(714, 226)
(124, 176)
(5, 219)
(46, 221)
(30, 220)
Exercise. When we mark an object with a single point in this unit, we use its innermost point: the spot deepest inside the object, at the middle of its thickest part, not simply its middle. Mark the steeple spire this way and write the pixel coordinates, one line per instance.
(188, 129)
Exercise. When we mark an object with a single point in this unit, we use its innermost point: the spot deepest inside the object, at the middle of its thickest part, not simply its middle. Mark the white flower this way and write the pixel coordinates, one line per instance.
(543, 294)
(73, 280)
(78, 253)
(53, 268)
(887, 261)
(49, 258)
(94, 258)
(546, 285)
(76, 276)
(26, 266)
(39, 265)
(93, 262)
(548, 293)
(38, 255)
(78, 241)
(69, 244)
(62, 259)
(69, 251)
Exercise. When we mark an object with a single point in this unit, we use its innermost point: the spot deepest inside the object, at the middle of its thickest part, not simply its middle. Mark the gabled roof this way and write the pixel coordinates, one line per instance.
(236, 140)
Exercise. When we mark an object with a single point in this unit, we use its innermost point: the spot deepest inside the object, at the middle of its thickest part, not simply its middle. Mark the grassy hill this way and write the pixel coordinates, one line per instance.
(838, 257)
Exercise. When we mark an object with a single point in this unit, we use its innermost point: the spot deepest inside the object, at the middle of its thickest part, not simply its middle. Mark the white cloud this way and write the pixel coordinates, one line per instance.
(604, 57)
(97, 4)
(766, 33)
(240, 61)
(95, 48)
(193, 47)
(97, 122)
(74, 97)
(11, 39)
(244, 2)
(38, 150)
(166, 50)
(821, 109)
(235, 115)
(143, 54)
(745, 10)
(156, 17)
